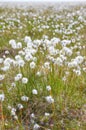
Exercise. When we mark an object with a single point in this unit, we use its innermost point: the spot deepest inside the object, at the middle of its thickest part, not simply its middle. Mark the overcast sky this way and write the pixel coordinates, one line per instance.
(40, 0)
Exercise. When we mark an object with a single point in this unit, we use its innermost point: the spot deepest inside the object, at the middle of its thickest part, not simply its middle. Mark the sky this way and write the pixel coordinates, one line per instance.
(40, 0)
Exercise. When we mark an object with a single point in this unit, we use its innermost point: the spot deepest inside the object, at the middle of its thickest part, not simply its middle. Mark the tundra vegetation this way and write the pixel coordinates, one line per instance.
(42, 66)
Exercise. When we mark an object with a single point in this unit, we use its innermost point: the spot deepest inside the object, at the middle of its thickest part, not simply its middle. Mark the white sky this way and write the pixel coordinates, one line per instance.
(40, 0)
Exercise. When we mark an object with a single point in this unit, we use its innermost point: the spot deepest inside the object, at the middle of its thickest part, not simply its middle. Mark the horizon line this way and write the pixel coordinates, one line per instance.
(42, 1)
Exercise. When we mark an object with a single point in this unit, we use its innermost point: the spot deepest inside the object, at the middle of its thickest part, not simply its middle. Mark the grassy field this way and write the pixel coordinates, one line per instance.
(42, 66)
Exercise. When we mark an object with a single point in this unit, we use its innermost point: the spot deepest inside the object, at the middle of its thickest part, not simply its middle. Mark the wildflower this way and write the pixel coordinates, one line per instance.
(27, 39)
(65, 42)
(20, 106)
(19, 45)
(72, 64)
(67, 51)
(7, 61)
(48, 88)
(2, 97)
(28, 57)
(32, 65)
(21, 53)
(34, 91)
(47, 114)
(20, 63)
(38, 73)
(15, 117)
(78, 72)
(7, 52)
(24, 80)
(64, 58)
(13, 84)
(36, 127)
(59, 61)
(13, 112)
(55, 41)
(2, 77)
(32, 115)
(18, 77)
(5, 68)
(47, 65)
(12, 41)
(13, 44)
(49, 99)
(24, 98)
(18, 57)
(79, 59)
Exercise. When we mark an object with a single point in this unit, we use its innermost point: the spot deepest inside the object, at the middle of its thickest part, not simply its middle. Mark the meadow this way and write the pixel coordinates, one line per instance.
(42, 66)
